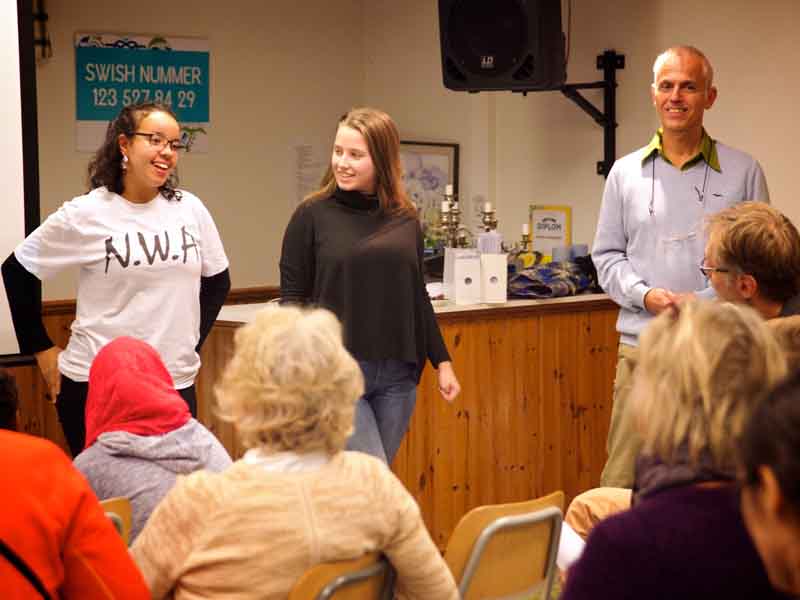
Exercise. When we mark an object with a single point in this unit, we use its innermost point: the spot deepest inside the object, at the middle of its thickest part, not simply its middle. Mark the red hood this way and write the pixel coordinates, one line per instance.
(131, 390)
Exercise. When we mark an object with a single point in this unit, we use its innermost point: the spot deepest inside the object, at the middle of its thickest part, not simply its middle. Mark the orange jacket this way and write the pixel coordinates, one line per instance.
(52, 520)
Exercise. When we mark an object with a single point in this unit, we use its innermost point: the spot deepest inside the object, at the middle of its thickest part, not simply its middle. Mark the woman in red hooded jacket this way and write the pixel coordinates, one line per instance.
(139, 433)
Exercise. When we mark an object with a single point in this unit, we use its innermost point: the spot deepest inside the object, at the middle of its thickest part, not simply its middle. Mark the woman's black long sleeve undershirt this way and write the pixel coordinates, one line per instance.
(213, 291)
(26, 313)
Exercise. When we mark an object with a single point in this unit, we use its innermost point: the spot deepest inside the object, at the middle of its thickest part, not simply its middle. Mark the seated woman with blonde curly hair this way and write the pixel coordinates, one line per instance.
(296, 498)
(701, 374)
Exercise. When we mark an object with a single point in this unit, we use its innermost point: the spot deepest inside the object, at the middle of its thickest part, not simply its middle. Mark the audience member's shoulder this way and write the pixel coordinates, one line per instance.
(22, 447)
(681, 507)
(634, 526)
(359, 462)
(87, 458)
(202, 480)
(372, 475)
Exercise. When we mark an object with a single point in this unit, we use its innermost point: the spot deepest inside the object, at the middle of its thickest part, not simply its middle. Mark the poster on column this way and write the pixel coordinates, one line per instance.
(116, 70)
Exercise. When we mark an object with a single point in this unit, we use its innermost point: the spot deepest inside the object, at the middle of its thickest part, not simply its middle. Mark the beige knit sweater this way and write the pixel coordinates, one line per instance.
(248, 534)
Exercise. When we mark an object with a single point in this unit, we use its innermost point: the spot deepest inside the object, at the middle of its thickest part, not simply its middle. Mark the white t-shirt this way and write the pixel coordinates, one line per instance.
(140, 268)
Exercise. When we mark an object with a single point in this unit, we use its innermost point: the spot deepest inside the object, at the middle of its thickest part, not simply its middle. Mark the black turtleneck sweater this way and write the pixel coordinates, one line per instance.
(345, 254)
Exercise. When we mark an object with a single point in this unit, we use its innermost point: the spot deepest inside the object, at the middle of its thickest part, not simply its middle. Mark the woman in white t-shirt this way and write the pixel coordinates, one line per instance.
(151, 262)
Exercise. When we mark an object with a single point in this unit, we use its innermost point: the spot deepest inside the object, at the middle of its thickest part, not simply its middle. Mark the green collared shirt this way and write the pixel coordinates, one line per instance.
(708, 151)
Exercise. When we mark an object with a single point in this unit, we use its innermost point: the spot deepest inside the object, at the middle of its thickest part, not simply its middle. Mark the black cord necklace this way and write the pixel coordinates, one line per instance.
(701, 194)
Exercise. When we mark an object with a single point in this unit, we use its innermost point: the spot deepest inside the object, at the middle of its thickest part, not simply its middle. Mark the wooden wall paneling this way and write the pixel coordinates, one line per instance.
(581, 406)
(37, 414)
(533, 401)
(472, 442)
(569, 369)
(452, 448)
(514, 413)
(215, 354)
(418, 448)
(503, 404)
(476, 403)
(449, 484)
(526, 356)
(548, 456)
(601, 348)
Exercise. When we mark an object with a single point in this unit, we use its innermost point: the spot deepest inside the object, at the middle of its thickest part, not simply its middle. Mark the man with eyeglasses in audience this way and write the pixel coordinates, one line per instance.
(649, 239)
(753, 257)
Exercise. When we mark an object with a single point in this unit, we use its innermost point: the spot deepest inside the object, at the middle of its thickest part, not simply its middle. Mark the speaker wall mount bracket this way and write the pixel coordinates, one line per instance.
(609, 62)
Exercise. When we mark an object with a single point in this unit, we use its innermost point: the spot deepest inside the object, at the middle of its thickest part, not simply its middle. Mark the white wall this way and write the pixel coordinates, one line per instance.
(403, 77)
(281, 73)
(542, 148)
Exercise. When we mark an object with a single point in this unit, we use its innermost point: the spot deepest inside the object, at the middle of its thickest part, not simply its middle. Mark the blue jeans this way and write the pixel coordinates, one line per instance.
(384, 411)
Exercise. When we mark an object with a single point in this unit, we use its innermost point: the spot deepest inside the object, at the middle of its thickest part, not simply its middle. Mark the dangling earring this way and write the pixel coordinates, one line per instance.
(124, 162)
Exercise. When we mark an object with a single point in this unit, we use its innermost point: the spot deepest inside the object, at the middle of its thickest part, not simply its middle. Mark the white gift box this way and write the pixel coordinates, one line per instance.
(494, 278)
(462, 275)
(471, 277)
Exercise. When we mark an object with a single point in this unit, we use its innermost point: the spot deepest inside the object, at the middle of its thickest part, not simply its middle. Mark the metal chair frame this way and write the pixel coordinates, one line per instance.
(550, 513)
(375, 569)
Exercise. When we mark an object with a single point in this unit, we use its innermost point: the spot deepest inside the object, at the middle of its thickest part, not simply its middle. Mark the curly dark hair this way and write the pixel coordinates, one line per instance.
(8, 401)
(105, 169)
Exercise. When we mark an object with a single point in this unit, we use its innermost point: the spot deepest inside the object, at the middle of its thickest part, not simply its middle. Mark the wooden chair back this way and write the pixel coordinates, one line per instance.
(119, 510)
(505, 550)
(365, 578)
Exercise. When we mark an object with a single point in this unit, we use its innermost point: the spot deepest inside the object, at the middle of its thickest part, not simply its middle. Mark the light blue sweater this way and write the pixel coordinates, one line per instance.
(636, 248)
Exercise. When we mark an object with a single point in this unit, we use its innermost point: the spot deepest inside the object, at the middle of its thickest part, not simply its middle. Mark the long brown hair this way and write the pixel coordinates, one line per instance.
(383, 142)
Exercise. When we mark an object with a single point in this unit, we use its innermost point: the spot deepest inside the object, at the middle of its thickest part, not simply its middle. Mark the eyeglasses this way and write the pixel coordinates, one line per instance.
(707, 271)
(159, 141)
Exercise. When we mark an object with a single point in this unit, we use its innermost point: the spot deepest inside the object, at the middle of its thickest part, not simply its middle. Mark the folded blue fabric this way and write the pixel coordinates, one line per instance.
(550, 280)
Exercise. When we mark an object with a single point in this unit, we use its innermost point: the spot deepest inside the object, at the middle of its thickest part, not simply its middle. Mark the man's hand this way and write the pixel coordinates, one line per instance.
(658, 300)
(48, 365)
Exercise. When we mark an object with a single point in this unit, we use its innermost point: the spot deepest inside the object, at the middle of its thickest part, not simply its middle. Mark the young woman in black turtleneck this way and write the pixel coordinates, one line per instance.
(355, 247)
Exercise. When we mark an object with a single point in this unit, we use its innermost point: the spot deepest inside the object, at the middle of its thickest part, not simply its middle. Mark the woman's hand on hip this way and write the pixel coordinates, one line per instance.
(448, 382)
(48, 365)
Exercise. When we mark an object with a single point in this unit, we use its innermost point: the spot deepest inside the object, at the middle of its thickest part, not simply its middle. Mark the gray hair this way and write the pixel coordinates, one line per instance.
(699, 376)
(291, 384)
(708, 70)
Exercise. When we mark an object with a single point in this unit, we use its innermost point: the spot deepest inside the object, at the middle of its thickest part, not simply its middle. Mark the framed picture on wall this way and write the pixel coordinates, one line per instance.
(427, 168)
(551, 227)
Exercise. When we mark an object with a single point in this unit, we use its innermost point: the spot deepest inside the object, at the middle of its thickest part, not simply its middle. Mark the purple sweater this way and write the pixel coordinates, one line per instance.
(687, 542)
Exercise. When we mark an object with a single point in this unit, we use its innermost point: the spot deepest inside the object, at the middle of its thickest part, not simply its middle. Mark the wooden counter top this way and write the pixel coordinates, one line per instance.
(445, 309)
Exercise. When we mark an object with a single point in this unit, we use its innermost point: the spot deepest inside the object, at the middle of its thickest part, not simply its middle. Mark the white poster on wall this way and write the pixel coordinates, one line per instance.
(115, 70)
(311, 161)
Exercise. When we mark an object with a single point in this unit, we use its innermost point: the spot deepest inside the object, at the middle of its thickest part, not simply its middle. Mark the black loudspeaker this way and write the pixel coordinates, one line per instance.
(492, 45)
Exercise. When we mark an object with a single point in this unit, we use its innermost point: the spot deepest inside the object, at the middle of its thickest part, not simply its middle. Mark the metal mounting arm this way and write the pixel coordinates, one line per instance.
(609, 61)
